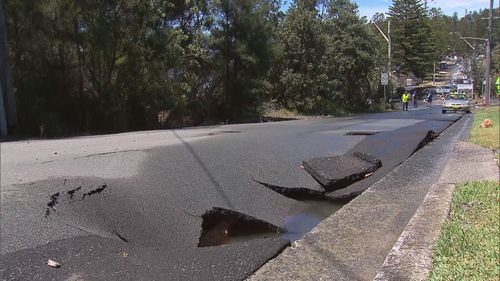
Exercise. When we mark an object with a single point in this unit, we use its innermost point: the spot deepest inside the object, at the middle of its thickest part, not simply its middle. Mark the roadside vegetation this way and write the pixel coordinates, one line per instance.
(486, 137)
(92, 66)
(468, 248)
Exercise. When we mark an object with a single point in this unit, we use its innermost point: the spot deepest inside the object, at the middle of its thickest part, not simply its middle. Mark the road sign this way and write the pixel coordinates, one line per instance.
(464, 87)
(384, 79)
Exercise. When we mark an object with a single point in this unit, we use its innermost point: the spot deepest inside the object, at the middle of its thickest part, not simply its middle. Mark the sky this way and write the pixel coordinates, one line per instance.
(369, 7)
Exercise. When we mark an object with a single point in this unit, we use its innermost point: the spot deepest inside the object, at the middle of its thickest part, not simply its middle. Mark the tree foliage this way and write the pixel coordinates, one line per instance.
(412, 45)
(328, 56)
(92, 66)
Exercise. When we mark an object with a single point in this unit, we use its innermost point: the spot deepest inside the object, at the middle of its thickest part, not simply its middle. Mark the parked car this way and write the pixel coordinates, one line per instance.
(457, 102)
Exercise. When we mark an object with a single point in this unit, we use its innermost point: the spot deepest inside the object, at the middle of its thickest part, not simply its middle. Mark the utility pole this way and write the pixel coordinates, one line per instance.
(434, 73)
(388, 39)
(488, 55)
(389, 48)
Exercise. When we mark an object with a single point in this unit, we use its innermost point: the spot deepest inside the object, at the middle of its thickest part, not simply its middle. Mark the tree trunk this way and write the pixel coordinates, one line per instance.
(5, 73)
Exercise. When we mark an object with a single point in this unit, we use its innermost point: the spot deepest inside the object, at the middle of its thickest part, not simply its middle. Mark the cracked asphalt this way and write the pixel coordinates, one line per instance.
(146, 223)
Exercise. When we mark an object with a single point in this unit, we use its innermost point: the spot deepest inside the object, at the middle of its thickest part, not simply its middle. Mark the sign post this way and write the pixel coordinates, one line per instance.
(466, 87)
(384, 80)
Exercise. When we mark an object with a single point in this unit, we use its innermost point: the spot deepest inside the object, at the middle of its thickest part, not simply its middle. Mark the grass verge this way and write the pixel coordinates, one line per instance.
(486, 137)
(468, 247)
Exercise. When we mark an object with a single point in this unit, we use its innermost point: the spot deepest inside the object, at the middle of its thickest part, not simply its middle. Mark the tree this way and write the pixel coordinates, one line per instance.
(242, 55)
(349, 55)
(412, 46)
(441, 33)
(8, 109)
(298, 83)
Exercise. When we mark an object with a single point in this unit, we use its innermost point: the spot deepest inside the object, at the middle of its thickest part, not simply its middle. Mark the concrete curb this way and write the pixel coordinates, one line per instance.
(353, 243)
(411, 256)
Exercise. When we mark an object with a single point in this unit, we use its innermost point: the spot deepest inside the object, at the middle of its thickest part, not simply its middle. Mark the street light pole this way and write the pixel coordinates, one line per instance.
(434, 73)
(388, 39)
(389, 48)
(487, 86)
(465, 39)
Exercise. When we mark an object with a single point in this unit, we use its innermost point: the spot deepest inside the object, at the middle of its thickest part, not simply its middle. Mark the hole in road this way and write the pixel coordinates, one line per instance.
(361, 133)
(224, 132)
(429, 137)
(222, 226)
(297, 193)
(319, 207)
(297, 225)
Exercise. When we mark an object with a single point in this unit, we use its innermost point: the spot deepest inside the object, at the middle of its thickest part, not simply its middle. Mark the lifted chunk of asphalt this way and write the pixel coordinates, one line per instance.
(368, 158)
(337, 172)
(221, 225)
(404, 143)
(297, 193)
(95, 191)
(301, 193)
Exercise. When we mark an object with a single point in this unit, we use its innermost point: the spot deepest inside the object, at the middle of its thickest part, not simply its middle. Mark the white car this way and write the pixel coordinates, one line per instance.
(457, 102)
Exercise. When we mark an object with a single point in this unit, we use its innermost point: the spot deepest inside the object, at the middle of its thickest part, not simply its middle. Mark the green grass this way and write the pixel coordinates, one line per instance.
(468, 247)
(486, 137)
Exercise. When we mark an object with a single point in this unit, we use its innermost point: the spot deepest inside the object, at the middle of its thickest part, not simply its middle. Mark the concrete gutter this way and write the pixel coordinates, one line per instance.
(411, 256)
(353, 243)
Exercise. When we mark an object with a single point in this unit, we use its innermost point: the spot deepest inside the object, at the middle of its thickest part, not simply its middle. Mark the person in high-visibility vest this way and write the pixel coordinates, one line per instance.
(498, 85)
(405, 98)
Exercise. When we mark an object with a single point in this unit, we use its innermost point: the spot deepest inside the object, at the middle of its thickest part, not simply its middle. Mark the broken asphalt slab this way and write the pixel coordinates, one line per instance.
(157, 210)
(160, 243)
(392, 144)
(337, 172)
(392, 148)
(353, 243)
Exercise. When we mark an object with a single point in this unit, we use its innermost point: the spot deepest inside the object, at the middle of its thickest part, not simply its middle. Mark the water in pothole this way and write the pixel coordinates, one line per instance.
(226, 227)
(248, 237)
(297, 225)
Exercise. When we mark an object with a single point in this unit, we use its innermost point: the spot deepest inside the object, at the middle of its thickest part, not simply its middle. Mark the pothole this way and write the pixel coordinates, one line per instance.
(297, 225)
(319, 207)
(224, 132)
(427, 139)
(361, 133)
(222, 226)
(297, 193)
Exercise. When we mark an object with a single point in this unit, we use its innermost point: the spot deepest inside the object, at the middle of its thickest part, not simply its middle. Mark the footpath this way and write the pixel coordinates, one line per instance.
(389, 231)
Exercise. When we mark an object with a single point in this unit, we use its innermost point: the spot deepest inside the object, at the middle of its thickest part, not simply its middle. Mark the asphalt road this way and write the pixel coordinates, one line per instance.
(131, 206)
